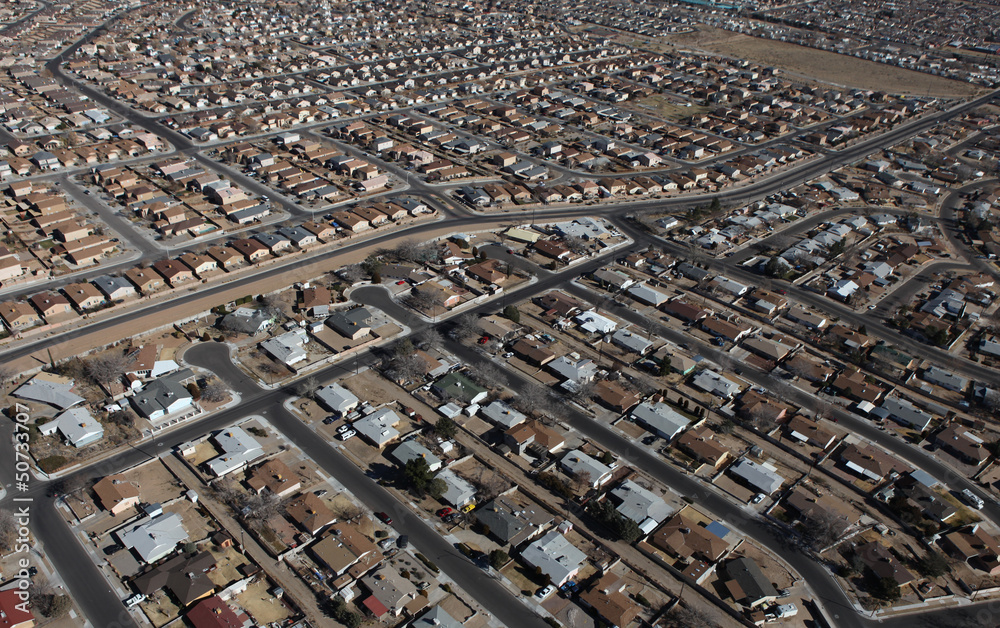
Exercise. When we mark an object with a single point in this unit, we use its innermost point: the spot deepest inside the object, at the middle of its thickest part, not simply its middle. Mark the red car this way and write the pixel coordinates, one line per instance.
(384, 518)
(484, 340)
(444, 512)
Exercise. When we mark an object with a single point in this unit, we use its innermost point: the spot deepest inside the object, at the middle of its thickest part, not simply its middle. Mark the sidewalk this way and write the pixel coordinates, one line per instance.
(304, 597)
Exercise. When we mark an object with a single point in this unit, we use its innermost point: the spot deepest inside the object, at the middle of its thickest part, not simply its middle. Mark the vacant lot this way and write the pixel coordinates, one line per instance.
(803, 63)
(670, 109)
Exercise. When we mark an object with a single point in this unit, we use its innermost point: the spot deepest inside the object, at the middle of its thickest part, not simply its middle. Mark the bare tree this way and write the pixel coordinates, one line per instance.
(7, 375)
(278, 305)
(465, 325)
(106, 368)
(682, 616)
(349, 511)
(823, 529)
(432, 337)
(487, 374)
(352, 274)
(406, 368)
(533, 399)
(214, 392)
(8, 530)
(307, 387)
(580, 482)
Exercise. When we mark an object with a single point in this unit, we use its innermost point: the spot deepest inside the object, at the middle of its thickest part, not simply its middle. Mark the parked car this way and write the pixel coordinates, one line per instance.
(347, 435)
(403, 541)
(384, 518)
(545, 592)
(444, 511)
(758, 498)
(344, 428)
(329, 420)
(468, 507)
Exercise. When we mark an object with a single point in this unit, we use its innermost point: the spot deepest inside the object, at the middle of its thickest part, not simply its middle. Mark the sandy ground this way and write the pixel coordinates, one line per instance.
(824, 66)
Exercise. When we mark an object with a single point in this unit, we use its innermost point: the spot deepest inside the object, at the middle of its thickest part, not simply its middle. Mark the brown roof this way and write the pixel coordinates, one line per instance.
(275, 476)
(310, 513)
(679, 536)
(700, 443)
(607, 598)
(115, 489)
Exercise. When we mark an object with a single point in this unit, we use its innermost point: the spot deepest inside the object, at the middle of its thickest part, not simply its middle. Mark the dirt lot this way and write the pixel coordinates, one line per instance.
(669, 109)
(261, 605)
(834, 68)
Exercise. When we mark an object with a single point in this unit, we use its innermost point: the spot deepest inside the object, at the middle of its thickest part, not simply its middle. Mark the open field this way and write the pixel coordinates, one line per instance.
(802, 63)
(669, 109)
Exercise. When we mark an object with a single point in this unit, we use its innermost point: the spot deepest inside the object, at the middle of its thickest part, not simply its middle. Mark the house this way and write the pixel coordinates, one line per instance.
(13, 613)
(437, 617)
(682, 538)
(747, 583)
(700, 444)
(974, 545)
(162, 397)
(660, 419)
(247, 321)
(347, 549)
(378, 428)
(460, 491)
(593, 323)
(185, 577)
(555, 557)
(353, 323)
(733, 332)
(17, 315)
(237, 450)
(502, 414)
(803, 316)
(310, 513)
(316, 301)
(412, 450)
(116, 494)
(641, 505)
(607, 599)
(616, 397)
(631, 342)
(155, 538)
(573, 368)
(288, 347)
(577, 463)
(645, 294)
(533, 435)
(275, 477)
(881, 562)
(173, 272)
(533, 351)
(49, 388)
(867, 461)
(144, 280)
(114, 288)
(715, 384)
(904, 412)
(76, 426)
(390, 592)
(760, 477)
(963, 444)
(945, 379)
(512, 520)
(215, 613)
(460, 388)
(809, 431)
(824, 507)
(84, 296)
(336, 398)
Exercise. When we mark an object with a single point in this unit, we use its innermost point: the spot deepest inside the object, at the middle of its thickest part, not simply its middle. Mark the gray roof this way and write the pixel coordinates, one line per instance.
(460, 491)
(660, 418)
(639, 504)
(347, 323)
(751, 579)
(902, 411)
(761, 477)
(110, 284)
(54, 393)
(502, 414)
(576, 462)
(155, 538)
(412, 450)
(555, 556)
(337, 398)
(159, 395)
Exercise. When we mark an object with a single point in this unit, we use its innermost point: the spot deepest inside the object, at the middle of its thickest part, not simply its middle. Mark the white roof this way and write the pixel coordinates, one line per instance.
(460, 491)
(411, 450)
(238, 450)
(762, 477)
(48, 390)
(79, 428)
(639, 504)
(502, 414)
(661, 418)
(337, 398)
(156, 538)
(646, 294)
(378, 427)
(594, 323)
(583, 369)
(712, 382)
(630, 341)
(576, 462)
(555, 556)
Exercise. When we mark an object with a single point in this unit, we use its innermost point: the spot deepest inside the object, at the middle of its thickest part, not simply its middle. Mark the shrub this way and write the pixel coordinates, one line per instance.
(426, 561)
(52, 463)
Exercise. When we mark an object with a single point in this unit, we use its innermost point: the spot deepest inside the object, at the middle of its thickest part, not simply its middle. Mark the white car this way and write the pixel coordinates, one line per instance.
(541, 594)
(347, 435)
(344, 428)
(758, 498)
